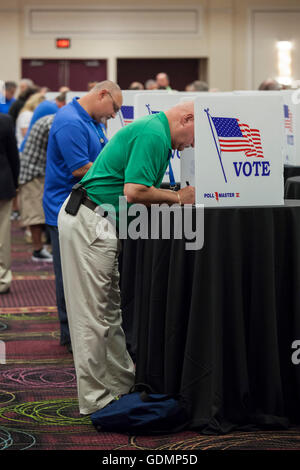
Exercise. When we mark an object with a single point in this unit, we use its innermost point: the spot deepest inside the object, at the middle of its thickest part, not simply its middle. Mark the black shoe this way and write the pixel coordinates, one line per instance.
(5, 292)
(69, 348)
(42, 255)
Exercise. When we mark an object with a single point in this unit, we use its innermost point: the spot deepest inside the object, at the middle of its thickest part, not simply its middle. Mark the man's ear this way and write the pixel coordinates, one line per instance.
(187, 118)
(102, 94)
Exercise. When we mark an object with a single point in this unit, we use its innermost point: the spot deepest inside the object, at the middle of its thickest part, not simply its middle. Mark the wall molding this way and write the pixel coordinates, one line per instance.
(114, 22)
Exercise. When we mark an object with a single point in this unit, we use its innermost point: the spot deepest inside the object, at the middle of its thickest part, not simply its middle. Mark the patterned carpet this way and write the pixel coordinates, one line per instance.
(38, 400)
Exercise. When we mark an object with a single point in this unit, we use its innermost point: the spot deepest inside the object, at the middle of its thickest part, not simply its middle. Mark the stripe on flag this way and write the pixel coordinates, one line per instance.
(238, 137)
(288, 118)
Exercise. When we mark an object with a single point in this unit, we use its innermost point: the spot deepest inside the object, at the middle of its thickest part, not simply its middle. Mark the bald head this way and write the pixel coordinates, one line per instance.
(105, 85)
(269, 84)
(181, 123)
(103, 101)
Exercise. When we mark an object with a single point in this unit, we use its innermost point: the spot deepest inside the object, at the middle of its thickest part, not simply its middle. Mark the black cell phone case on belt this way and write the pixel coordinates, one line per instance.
(77, 195)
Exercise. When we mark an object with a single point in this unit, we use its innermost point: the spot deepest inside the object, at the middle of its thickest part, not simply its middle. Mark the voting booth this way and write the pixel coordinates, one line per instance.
(283, 131)
(126, 115)
(153, 103)
(74, 94)
(187, 161)
(291, 121)
(146, 104)
(238, 150)
(51, 95)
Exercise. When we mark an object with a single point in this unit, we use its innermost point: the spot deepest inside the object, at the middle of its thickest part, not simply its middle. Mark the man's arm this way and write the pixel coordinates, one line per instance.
(138, 193)
(72, 141)
(80, 172)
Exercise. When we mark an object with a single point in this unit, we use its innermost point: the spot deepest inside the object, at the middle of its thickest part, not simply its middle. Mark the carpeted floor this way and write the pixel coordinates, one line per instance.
(38, 400)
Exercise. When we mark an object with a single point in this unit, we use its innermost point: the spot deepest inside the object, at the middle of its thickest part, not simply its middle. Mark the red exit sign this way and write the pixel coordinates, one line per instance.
(63, 43)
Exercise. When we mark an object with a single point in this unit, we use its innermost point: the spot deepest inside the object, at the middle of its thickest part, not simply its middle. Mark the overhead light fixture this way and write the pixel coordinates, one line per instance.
(284, 57)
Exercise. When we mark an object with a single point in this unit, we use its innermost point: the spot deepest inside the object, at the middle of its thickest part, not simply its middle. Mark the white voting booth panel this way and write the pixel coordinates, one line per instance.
(291, 121)
(73, 94)
(51, 95)
(282, 110)
(154, 103)
(187, 160)
(126, 115)
(238, 155)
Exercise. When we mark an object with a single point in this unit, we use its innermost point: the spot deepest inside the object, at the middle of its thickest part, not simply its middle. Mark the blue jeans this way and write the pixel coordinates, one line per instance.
(60, 296)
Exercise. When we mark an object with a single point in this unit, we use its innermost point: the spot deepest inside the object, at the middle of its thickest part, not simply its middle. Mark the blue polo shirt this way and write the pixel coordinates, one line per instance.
(43, 109)
(4, 107)
(75, 139)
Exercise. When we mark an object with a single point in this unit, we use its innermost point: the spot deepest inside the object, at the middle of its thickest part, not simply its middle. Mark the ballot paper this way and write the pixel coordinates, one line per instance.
(238, 150)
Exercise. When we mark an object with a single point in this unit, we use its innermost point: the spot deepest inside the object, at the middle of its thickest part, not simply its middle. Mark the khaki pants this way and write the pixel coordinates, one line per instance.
(103, 366)
(31, 202)
(5, 244)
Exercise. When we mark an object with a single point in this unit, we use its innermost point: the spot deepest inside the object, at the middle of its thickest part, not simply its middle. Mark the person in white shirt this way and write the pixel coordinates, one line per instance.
(25, 116)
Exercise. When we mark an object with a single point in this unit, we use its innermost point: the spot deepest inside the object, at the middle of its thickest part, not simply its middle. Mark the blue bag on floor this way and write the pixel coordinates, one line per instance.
(141, 412)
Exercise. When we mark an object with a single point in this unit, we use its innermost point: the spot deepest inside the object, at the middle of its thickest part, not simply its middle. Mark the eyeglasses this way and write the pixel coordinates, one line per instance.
(115, 106)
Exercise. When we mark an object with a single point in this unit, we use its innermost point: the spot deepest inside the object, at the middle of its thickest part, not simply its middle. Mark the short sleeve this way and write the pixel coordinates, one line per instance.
(72, 141)
(147, 160)
(24, 119)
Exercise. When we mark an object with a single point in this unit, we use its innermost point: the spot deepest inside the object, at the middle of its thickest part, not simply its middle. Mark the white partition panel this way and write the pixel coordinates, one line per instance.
(51, 95)
(238, 150)
(126, 115)
(73, 94)
(291, 122)
(187, 161)
(275, 94)
(154, 103)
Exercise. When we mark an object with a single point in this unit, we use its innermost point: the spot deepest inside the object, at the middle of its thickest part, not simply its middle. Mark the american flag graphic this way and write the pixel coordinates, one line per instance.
(235, 136)
(126, 115)
(150, 110)
(288, 118)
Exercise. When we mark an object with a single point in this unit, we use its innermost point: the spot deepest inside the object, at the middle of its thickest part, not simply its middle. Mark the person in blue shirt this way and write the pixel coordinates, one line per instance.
(7, 100)
(76, 138)
(44, 109)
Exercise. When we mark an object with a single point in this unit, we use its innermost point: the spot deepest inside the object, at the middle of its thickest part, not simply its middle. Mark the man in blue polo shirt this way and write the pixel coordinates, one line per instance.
(76, 138)
(7, 100)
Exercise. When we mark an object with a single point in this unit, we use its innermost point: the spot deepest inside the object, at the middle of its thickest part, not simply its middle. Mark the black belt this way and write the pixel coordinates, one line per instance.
(89, 203)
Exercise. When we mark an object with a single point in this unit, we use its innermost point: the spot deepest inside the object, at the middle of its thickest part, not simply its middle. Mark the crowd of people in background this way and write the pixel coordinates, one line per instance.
(162, 82)
(27, 119)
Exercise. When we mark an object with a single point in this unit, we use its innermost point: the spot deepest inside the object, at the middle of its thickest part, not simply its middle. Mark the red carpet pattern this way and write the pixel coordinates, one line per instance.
(38, 399)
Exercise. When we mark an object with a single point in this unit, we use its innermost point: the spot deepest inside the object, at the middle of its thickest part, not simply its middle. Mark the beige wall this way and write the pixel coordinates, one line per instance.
(226, 38)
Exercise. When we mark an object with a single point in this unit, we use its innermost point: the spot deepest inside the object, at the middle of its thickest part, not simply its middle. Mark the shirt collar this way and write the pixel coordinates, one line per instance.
(165, 123)
(82, 112)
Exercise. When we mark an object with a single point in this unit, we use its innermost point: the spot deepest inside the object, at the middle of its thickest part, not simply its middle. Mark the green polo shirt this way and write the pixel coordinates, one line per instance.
(138, 153)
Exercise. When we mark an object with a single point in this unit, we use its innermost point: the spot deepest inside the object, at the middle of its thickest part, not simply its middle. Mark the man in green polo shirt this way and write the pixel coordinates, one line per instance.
(133, 164)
